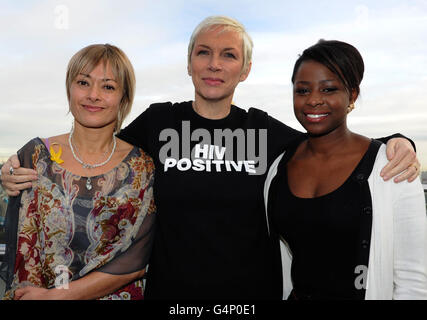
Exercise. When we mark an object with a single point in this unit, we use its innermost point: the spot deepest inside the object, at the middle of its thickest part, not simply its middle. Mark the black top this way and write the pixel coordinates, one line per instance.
(211, 239)
(328, 235)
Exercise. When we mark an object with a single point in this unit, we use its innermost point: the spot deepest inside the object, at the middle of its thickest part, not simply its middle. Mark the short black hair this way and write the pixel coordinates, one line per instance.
(341, 58)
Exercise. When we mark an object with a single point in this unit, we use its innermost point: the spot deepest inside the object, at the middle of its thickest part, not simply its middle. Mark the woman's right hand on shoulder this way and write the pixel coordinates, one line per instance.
(19, 180)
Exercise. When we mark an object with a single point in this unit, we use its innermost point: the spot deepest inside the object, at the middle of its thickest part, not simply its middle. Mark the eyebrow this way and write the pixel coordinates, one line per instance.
(207, 47)
(88, 76)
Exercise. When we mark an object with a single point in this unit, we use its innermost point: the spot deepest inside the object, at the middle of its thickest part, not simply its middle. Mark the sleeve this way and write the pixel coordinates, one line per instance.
(396, 135)
(410, 236)
(24, 248)
(138, 132)
(280, 136)
(136, 256)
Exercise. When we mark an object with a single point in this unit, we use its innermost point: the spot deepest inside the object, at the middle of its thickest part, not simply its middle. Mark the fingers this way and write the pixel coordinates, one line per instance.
(19, 180)
(391, 145)
(13, 189)
(19, 293)
(393, 167)
(401, 161)
(409, 174)
(17, 183)
(14, 161)
(19, 175)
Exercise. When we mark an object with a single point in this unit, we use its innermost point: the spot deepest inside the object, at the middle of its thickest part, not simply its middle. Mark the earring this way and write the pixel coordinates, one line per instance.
(350, 108)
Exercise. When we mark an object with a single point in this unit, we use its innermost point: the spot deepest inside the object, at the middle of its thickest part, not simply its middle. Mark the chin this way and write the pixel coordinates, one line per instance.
(95, 124)
(214, 96)
(319, 133)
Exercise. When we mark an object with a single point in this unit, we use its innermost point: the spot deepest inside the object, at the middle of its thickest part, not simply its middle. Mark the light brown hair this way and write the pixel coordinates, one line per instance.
(86, 59)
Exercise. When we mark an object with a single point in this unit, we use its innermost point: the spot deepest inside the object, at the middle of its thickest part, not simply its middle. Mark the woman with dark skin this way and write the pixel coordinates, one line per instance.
(347, 233)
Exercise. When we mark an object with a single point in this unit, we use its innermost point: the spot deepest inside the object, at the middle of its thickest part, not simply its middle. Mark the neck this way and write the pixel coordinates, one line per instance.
(330, 143)
(212, 109)
(92, 140)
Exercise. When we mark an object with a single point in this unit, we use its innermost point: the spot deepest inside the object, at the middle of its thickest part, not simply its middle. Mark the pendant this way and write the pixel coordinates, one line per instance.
(88, 184)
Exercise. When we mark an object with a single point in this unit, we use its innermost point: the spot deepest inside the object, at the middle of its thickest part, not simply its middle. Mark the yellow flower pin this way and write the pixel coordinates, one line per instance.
(56, 156)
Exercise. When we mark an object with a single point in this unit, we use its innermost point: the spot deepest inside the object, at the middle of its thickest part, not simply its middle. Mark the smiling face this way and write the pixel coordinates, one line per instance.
(320, 99)
(95, 97)
(216, 64)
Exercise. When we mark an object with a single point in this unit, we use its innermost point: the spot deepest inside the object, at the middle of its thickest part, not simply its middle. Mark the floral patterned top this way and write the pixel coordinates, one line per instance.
(66, 231)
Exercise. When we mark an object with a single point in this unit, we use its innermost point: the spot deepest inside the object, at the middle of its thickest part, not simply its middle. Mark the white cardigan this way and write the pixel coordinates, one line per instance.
(398, 251)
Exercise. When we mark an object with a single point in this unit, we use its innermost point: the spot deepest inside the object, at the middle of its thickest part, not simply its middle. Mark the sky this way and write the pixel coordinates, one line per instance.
(38, 38)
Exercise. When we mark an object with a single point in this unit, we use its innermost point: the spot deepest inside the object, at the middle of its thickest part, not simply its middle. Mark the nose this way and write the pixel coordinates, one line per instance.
(94, 93)
(315, 100)
(215, 63)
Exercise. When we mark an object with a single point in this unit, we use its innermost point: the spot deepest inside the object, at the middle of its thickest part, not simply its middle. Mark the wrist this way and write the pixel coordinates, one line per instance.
(59, 294)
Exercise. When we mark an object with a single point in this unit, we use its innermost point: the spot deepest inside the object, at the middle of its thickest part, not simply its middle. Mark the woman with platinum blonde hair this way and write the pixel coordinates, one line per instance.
(91, 212)
(211, 160)
(227, 24)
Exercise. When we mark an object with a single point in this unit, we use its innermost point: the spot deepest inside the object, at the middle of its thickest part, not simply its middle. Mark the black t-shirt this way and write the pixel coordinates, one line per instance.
(211, 239)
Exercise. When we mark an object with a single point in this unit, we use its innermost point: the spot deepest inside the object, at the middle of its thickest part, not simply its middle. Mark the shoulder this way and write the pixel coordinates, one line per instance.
(280, 136)
(124, 147)
(381, 155)
(61, 139)
(140, 161)
(379, 163)
(397, 189)
(30, 153)
(256, 115)
(276, 126)
(31, 145)
(260, 116)
(160, 112)
(160, 107)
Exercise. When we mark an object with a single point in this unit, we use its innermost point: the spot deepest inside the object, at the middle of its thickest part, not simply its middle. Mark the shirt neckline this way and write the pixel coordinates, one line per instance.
(192, 113)
(125, 159)
(331, 193)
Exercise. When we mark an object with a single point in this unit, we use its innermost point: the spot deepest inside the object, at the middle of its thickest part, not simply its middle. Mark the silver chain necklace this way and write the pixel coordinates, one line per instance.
(88, 165)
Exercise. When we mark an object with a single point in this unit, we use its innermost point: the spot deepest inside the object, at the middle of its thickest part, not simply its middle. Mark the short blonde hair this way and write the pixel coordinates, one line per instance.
(228, 24)
(89, 57)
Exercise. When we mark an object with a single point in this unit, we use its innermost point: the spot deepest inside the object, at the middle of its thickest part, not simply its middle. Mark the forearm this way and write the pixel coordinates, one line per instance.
(396, 135)
(94, 285)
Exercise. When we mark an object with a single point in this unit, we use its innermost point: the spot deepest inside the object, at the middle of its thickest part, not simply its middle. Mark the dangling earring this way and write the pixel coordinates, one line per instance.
(350, 107)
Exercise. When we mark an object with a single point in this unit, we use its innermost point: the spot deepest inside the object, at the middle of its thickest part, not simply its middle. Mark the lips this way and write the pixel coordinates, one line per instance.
(213, 81)
(92, 108)
(316, 117)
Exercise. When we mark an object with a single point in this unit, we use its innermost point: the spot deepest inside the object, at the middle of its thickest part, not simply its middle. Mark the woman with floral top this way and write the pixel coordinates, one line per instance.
(91, 212)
